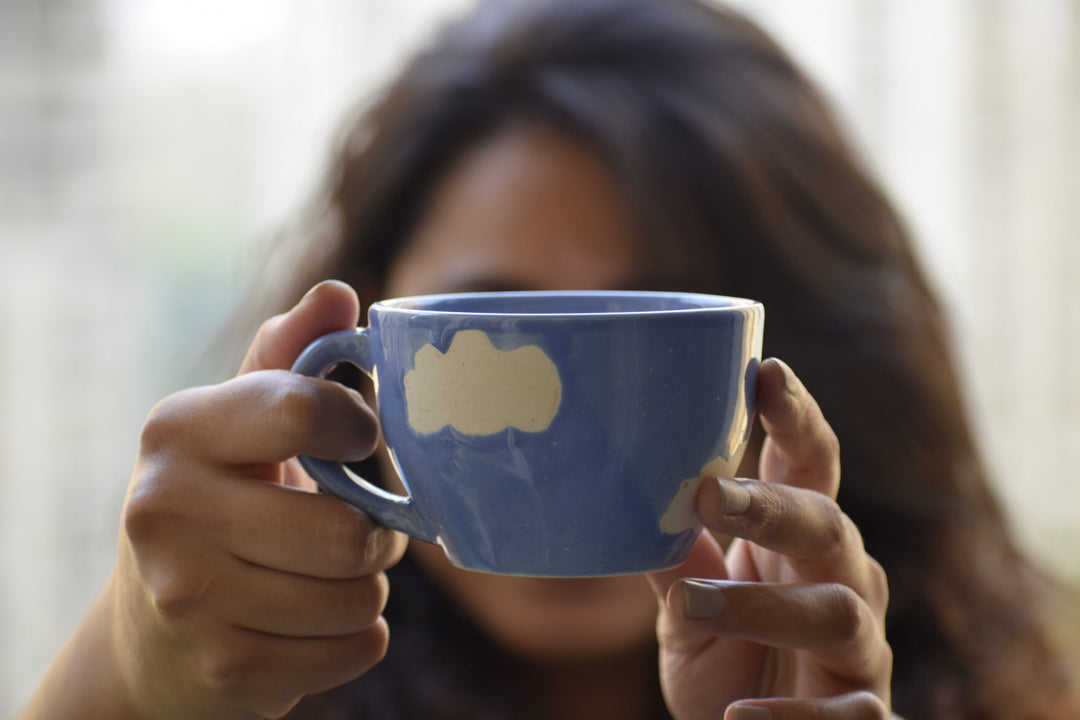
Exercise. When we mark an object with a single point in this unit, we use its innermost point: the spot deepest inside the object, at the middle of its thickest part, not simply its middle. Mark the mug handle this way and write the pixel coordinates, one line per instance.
(394, 511)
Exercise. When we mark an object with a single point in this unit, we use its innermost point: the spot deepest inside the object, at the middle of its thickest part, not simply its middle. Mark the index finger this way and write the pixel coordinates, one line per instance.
(263, 417)
(818, 541)
(800, 448)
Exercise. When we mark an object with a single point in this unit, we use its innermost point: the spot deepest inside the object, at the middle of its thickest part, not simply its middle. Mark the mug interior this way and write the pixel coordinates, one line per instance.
(562, 303)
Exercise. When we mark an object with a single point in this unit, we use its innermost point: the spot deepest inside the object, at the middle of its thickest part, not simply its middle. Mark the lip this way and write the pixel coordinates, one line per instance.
(638, 303)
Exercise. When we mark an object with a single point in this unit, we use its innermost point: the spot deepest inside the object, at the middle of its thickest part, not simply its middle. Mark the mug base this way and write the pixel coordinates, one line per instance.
(553, 573)
(569, 564)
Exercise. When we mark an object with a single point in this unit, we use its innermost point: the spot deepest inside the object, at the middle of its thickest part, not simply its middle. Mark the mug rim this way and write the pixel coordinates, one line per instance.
(414, 304)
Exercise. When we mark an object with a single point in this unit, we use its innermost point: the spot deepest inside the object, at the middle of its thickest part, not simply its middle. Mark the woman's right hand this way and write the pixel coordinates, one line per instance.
(238, 590)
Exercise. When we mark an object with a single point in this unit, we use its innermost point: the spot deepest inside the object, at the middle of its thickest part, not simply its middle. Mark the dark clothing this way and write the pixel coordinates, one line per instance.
(438, 666)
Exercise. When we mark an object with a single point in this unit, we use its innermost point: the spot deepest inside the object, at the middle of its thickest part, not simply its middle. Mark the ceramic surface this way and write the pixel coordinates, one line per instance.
(553, 433)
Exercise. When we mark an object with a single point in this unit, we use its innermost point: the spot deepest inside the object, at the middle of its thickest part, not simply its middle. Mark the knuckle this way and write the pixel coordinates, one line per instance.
(830, 446)
(279, 708)
(845, 612)
(150, 505)
(373, 595)
(836, 529)
(142, 514)
(171, 604)
(264, 330)
(361, 600)
(822, 455)
(879, 584)
(237, 670)
(886, 665)
(179, 596)
(228, 669)
(869, 706)
(854, 630)
(830, 457)
(377, 640)
(166, 423)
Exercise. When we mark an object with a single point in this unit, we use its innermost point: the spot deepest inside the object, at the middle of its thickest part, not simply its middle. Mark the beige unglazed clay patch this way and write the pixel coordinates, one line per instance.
(478, 389)
(681, 514)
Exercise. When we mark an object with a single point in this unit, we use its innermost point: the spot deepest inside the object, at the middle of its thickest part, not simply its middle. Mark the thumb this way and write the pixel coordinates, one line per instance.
(328, 307)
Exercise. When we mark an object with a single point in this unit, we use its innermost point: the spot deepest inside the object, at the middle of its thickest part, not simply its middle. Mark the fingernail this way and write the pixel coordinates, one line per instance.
(791, 383)
(750, 712)
(311, 292)
(734, 497)
(701, 600)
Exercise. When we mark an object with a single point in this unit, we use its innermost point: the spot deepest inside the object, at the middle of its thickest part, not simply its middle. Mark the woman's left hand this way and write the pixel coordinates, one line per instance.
(788, 624)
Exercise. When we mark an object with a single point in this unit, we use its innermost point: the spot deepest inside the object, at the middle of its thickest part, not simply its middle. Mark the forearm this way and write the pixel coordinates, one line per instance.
(84, 680)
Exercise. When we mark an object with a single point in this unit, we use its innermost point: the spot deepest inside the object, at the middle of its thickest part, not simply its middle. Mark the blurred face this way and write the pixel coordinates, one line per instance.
(530, 210)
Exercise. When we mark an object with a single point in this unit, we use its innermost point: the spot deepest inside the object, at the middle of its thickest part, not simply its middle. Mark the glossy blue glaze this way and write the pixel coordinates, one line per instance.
(654, 388)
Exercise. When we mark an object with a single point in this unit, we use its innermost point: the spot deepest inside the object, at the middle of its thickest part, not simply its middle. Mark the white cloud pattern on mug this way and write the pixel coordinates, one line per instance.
(478, 389)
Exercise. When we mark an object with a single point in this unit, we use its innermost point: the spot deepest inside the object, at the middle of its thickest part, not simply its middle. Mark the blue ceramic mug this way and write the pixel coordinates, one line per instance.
(553, 434)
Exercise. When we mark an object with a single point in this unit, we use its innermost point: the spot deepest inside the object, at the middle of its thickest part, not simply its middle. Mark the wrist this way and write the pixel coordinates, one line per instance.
(84, 680)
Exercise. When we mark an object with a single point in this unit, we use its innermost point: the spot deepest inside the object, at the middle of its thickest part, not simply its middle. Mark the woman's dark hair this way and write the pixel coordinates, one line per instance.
(739, 181)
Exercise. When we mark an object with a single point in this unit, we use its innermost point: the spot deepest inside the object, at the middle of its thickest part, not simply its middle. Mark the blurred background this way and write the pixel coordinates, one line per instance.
(149, 149)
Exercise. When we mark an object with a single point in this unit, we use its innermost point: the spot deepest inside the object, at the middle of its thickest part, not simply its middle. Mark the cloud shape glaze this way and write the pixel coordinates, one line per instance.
(478, 389)
(681, 514)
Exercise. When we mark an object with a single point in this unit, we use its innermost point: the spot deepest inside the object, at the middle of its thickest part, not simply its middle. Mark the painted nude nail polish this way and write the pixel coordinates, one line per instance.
(702, 600)
(791, 383)
(735, 498)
